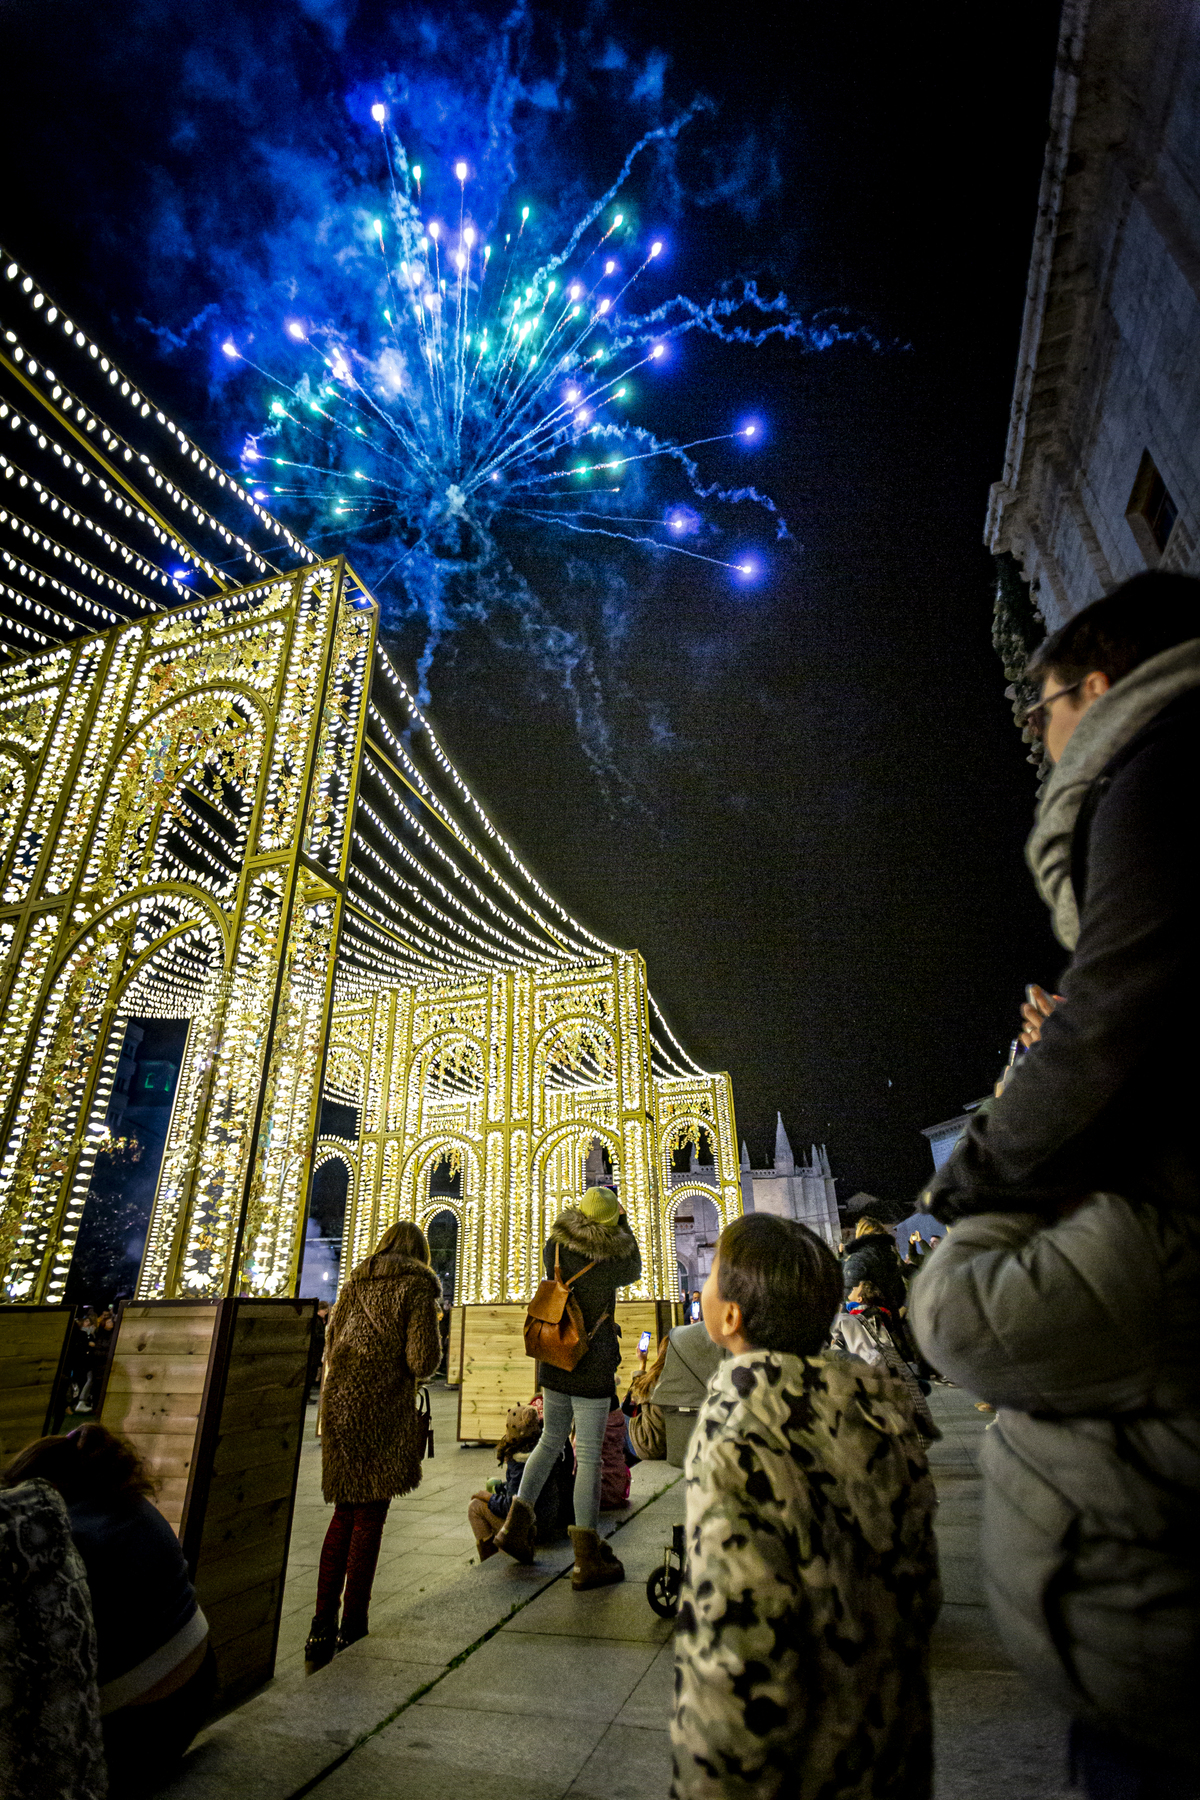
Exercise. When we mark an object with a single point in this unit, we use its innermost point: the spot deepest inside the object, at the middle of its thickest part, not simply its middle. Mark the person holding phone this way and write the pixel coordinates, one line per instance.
(598, 1254)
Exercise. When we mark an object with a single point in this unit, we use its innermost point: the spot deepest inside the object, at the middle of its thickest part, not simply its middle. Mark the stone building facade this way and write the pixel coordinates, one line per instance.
(791, 1190)
(1102, 467)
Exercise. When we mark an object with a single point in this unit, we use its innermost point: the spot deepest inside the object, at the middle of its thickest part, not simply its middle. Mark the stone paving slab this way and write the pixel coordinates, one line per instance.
(432, 1604)
(477, 1680)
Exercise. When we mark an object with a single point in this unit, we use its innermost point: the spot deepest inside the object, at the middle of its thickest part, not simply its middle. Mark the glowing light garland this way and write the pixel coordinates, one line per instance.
(134, 768)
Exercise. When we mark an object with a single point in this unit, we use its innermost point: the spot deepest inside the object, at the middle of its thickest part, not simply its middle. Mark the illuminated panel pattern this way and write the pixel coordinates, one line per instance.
(567, 1058)
(151, 758)
(234, 812)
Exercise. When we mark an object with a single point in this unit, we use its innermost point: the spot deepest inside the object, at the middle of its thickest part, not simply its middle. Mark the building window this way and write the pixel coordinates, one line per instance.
(1151, 511)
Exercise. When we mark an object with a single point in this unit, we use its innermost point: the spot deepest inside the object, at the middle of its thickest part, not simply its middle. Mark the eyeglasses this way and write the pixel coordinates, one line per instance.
(1038, 716)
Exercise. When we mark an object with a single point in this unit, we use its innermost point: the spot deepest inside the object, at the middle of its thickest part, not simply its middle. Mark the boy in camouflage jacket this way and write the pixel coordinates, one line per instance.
(811, 1583)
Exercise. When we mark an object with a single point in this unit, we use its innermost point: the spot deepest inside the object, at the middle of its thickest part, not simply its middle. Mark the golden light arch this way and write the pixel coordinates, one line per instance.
(365, 904)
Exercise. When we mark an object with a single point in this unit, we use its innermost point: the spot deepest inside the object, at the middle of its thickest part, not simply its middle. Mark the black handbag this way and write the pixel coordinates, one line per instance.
(424, 1426)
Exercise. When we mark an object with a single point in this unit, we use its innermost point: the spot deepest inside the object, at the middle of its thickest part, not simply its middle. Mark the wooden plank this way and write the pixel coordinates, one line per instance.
(239, 1451)
(454, 1358)
(276, 1328)
(269, 1481)
(169, 1374)
(271, 1369)
(26, 1371)
(245, 1662)
(251, 1525)
(242, 1613)
(171, 1415)
(173, 1336)
(259, 1408)
(33, 1330)
(33, 1343)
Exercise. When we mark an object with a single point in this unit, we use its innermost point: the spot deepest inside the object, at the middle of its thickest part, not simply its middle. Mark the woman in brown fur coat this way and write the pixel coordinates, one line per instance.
(381, 1340)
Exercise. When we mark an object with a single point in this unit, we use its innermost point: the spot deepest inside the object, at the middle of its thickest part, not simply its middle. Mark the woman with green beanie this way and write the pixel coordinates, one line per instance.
(595, 1232)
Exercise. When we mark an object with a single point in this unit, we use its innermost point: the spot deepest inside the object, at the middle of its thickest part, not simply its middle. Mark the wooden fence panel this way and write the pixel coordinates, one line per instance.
(34, 1342)
(497, 1374)
(252, 1458)
(213, 1394)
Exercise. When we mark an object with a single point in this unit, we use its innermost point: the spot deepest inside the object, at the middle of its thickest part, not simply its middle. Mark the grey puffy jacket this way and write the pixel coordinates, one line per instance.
(1085, 1334)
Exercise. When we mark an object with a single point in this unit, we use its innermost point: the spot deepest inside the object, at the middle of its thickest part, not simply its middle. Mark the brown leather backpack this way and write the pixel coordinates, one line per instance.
(554, 1328)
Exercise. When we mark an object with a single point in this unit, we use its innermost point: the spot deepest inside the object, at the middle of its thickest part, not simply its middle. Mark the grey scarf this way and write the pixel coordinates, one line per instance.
(1106, 727)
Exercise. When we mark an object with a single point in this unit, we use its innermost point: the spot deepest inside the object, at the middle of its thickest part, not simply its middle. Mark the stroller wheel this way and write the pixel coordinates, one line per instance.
(662, 1591)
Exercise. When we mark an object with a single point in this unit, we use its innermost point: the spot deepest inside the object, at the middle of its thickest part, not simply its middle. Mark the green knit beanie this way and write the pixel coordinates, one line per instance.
(600, 1205)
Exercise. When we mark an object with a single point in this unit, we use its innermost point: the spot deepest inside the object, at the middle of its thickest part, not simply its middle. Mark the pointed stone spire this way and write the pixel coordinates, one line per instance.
(825, 1168)
(815, 1164)
(785, 1162)
(745, 1155)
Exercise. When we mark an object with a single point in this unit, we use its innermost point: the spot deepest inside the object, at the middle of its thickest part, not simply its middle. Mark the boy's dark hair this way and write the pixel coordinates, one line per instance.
(90, 1463)
(1138, 620)
(786, 1281)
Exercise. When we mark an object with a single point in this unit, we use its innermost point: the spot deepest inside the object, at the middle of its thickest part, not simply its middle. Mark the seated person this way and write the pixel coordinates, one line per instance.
(555, 1505)
(811, 1585)
(645, 1432)
(614, 1466)
(156, 1669)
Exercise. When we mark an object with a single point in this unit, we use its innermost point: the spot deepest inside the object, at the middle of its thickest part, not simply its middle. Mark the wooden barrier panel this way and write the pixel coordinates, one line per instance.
(34, 1344)
(213, 1393)
(157, 1384)
(497, 1374)
(241, 1544)
(454, 1361)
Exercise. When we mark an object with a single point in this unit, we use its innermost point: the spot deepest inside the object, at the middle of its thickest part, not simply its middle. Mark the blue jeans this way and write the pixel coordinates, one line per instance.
(591, 1418)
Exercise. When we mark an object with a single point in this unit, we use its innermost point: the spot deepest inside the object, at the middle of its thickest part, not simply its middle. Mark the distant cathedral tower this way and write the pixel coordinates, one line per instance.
(790, 1192)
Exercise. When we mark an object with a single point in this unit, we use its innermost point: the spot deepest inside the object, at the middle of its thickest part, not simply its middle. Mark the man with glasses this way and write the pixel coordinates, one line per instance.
(1065, 1292)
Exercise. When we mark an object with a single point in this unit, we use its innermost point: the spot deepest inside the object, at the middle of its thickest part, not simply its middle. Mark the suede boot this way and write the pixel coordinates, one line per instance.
(595, 1564)
(484, 1524)
(518, 1534)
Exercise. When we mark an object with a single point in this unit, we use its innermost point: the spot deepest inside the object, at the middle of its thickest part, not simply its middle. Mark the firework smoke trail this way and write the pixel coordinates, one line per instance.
(491, 369)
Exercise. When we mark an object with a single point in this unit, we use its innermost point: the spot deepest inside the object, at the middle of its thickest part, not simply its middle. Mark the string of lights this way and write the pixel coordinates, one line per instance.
(436, 892)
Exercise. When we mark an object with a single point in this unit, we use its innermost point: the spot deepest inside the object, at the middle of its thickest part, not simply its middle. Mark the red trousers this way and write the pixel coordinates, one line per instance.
(348, 1557)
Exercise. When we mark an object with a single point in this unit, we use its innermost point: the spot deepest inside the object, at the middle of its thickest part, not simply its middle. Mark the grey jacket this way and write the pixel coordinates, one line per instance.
(1085, 1334)
(691, 1359)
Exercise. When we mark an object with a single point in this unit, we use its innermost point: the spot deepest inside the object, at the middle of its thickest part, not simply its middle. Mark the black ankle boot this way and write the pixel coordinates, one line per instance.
(350, 1635)
(321, 1646)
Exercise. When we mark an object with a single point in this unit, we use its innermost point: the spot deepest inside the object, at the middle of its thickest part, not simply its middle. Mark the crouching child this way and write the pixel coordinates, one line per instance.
(811, 1589)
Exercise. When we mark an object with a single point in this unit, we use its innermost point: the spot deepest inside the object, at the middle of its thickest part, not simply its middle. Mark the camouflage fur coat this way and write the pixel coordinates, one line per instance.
(381, 1340)
(810, 1590)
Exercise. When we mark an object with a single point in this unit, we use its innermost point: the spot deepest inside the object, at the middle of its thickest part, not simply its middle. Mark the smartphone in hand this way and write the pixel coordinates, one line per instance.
(643, 1343)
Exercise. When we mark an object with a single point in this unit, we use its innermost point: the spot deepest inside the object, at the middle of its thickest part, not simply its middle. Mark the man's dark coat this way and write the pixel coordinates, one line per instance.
(1107, 1100)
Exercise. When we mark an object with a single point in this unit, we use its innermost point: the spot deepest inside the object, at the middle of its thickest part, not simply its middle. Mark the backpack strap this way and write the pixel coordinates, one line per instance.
(575, 1276)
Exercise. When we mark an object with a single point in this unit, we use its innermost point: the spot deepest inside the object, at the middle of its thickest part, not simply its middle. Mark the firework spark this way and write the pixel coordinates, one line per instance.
(494, 385)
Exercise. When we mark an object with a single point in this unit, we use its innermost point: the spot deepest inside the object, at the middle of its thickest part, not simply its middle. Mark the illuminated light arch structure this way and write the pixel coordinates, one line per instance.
(220, 801)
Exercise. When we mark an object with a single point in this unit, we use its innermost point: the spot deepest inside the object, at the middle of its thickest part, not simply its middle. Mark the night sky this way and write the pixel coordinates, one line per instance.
(812, 816)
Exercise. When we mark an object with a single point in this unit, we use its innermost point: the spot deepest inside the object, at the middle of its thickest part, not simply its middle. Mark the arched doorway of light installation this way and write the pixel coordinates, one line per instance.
(577, 1141)
(147, 961)
(329, 1201)
(695, 1216)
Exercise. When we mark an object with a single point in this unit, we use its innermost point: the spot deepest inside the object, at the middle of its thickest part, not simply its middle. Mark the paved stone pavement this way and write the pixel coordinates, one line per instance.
(498, 1679)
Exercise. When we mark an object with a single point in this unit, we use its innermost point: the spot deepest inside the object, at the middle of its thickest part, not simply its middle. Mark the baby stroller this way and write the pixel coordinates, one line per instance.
(663, 1583)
